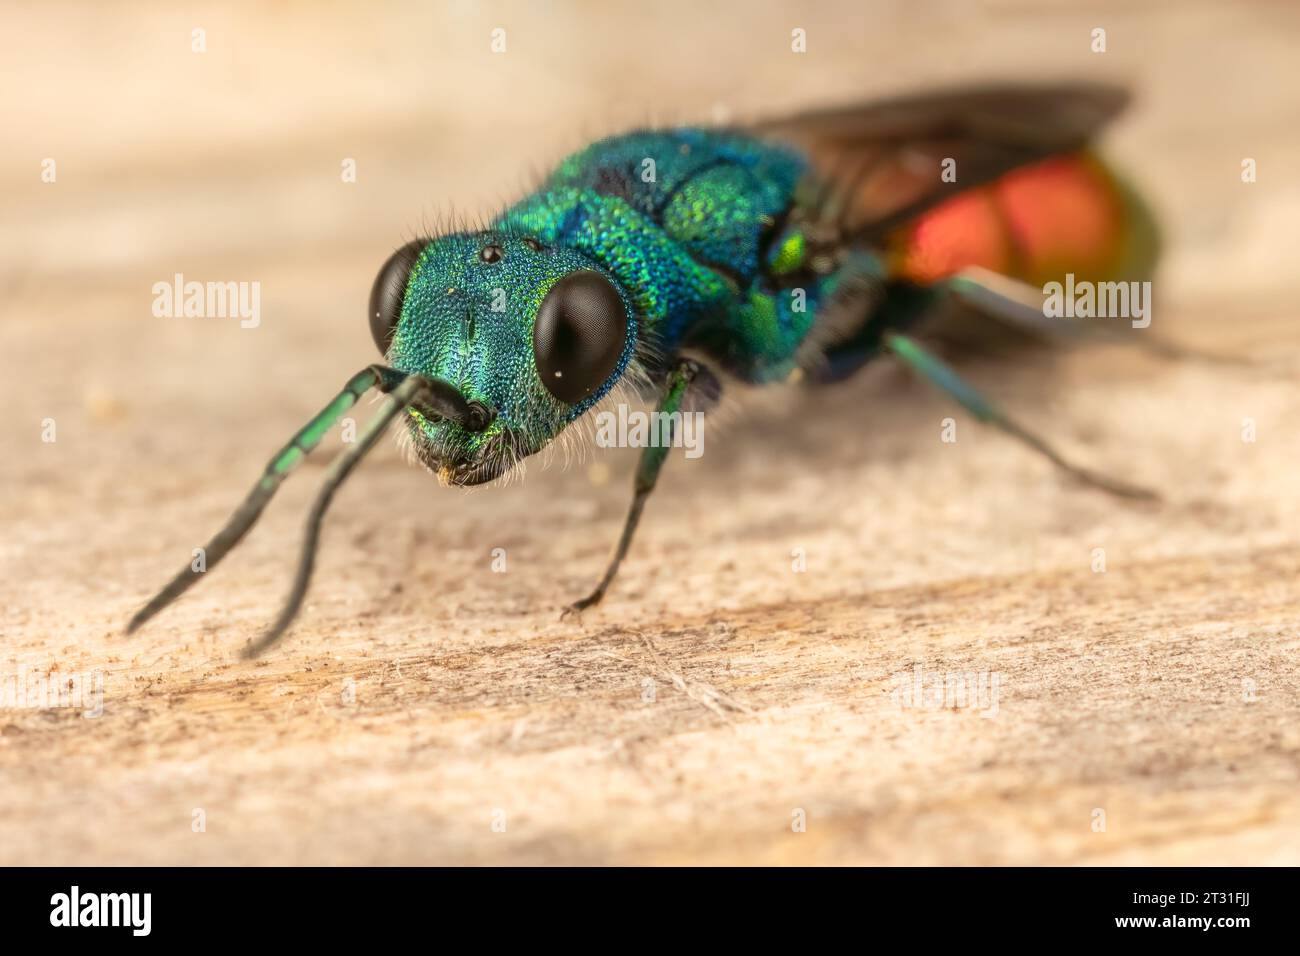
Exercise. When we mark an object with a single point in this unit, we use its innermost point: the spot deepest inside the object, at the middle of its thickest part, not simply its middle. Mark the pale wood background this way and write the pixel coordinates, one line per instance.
(1163, 692)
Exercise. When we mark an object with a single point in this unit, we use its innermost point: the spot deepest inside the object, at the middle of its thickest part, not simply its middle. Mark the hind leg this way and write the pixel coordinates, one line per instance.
(902, 307)
(939, 374)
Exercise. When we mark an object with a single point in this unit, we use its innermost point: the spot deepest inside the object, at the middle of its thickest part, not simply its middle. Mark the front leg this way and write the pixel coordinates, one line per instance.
(647, 473)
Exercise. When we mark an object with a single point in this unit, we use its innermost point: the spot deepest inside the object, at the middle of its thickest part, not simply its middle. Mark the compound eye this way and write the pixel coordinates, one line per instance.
(388, 291)
(579, 335)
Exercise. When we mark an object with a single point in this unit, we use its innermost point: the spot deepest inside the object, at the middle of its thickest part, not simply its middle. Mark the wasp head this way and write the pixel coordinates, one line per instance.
(534, 334)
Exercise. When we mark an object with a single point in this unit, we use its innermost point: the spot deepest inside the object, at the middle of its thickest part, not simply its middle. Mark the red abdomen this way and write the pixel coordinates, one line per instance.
(1067, 214)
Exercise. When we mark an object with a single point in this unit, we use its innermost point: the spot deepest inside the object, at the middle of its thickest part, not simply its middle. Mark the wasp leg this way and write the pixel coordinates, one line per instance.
(939, 374)
(647, 473)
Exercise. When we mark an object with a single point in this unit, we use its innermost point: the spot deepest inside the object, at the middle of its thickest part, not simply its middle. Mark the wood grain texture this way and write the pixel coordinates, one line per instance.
(717, 692)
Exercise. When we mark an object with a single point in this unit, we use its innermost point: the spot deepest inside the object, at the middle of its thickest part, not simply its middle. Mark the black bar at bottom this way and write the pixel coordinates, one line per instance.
(332, 906)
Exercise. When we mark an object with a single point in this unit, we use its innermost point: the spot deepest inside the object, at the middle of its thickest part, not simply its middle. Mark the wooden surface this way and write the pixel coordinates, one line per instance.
(428, 710)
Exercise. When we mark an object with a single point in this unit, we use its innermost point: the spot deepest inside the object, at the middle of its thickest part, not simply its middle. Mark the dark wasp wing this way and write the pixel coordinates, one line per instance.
(879, 164)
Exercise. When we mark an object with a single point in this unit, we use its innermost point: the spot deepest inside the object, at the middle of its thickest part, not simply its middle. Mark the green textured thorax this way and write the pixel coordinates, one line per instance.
(696, 223)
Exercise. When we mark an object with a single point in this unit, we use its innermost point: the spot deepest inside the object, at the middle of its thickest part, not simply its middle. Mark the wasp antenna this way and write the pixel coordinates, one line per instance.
(285, 460)
(433, 397)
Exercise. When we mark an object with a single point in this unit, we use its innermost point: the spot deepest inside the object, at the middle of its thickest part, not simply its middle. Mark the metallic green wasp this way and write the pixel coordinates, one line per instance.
(797, 248)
